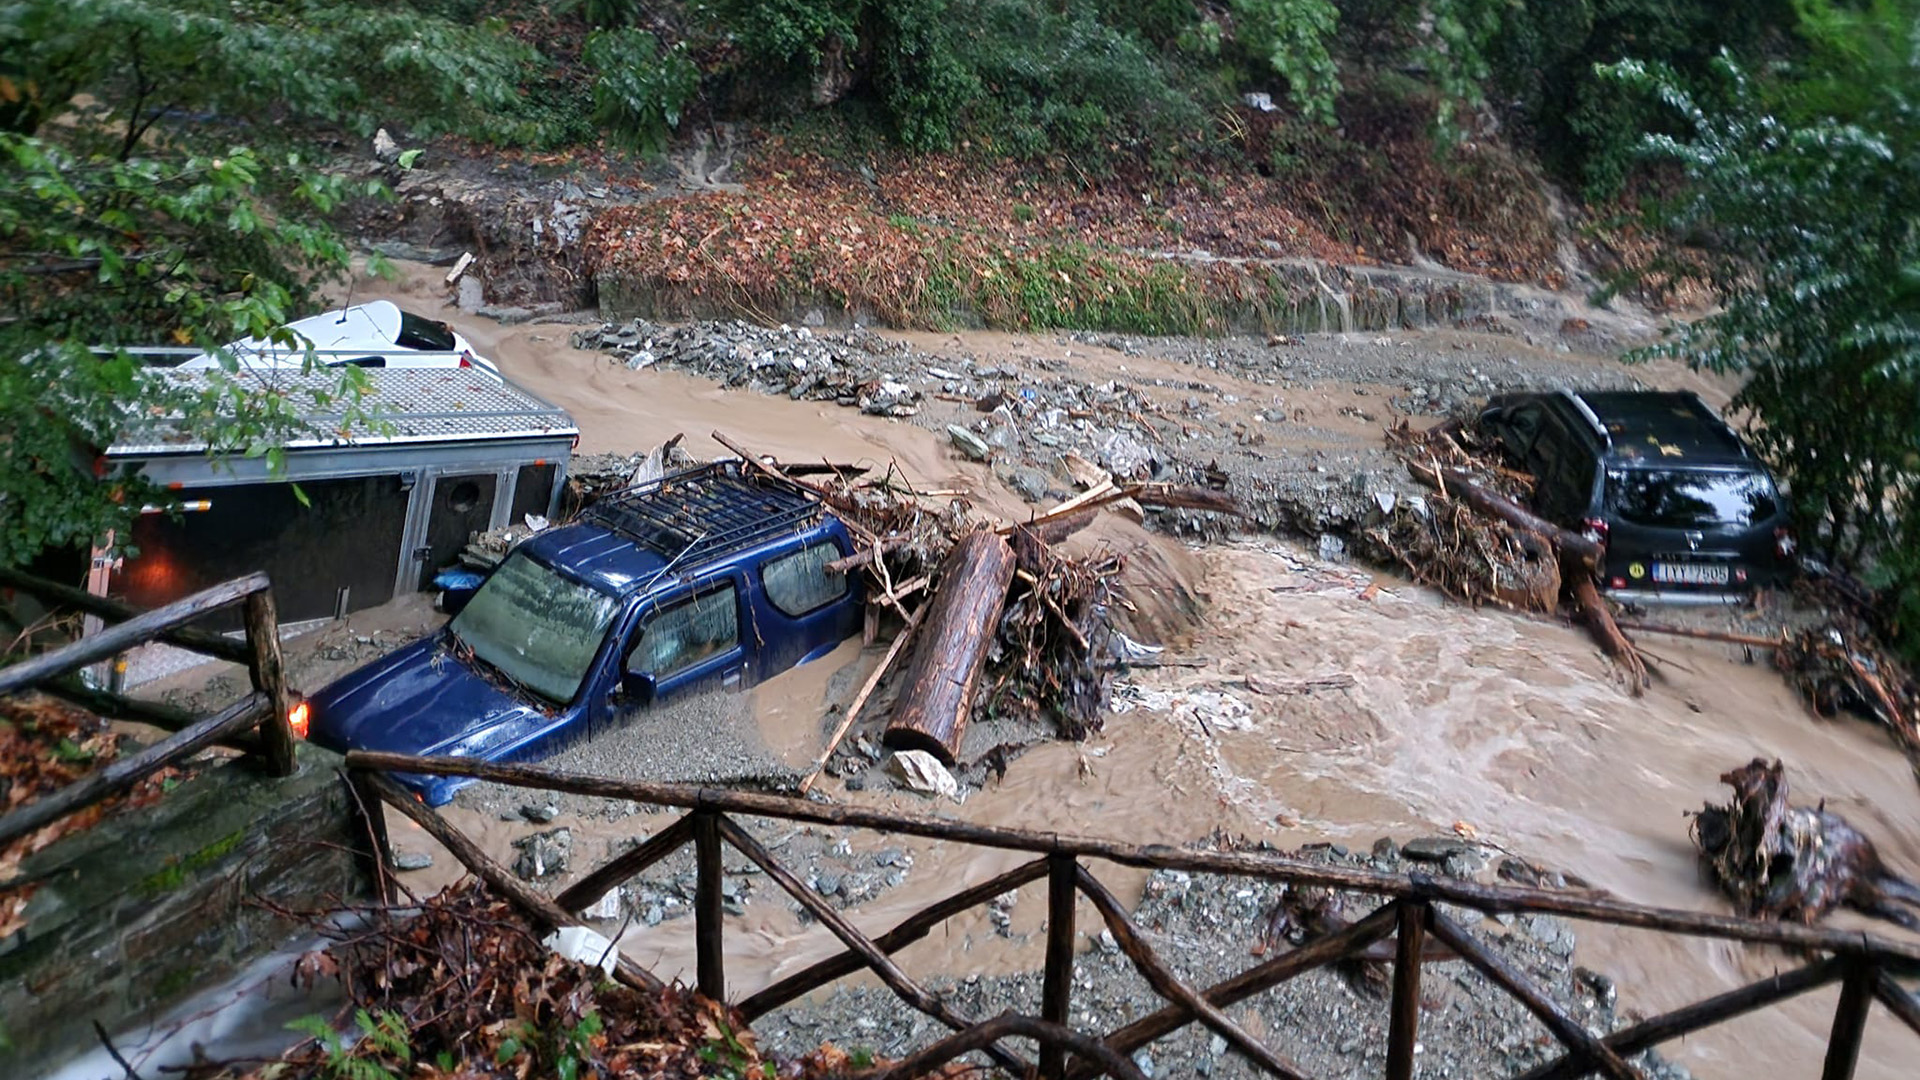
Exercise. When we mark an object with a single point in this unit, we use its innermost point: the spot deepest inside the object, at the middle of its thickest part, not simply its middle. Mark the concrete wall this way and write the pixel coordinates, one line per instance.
(1293, 296)
(137, 912)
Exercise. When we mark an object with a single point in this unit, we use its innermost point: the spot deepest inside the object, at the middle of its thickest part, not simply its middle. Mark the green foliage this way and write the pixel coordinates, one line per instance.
(1816, 262)
(1294, 37)
(638, 91)
(1018, 78)
(783, 32)
(100, 252)
(179, 65)
(1543, 63)
(385, 1033)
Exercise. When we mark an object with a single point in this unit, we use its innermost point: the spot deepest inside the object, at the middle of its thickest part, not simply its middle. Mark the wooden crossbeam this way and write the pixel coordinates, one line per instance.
(910, 930)
(1571, 1033)
(1170, 986)
(897, 980)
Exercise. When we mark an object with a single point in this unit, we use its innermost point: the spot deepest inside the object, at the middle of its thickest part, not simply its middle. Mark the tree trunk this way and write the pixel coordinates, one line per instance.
(1584, 552)
(931, 711)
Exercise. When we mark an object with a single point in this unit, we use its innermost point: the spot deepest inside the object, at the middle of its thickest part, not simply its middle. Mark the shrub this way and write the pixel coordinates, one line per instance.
(639, 92)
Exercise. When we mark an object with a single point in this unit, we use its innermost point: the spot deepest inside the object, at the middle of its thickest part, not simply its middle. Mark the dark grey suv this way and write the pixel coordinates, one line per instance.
(1685, 509)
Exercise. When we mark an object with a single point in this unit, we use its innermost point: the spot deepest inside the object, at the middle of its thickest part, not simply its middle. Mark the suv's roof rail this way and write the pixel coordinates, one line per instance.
(1593, 420)
(706, 511)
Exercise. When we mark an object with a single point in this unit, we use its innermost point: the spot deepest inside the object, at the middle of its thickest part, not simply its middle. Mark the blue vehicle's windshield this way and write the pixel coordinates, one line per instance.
(539, 628)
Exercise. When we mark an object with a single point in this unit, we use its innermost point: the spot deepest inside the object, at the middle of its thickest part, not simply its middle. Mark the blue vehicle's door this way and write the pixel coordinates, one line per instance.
(691, 640)
(814, 607)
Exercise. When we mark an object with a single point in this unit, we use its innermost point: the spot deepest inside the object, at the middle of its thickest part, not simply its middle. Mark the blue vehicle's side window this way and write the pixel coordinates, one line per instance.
(678, 637)
(799, 583)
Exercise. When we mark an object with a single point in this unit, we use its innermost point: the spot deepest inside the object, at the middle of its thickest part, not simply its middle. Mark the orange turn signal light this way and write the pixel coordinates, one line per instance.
(297, 718)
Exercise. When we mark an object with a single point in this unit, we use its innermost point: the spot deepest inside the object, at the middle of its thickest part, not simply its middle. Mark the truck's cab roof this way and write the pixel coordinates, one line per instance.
(685, 523)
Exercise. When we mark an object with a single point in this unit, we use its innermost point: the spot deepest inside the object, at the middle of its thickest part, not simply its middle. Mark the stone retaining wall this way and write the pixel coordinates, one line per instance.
(153, 903)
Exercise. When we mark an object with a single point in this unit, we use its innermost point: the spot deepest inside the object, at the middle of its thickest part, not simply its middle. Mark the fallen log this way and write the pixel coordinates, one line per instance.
(931, 711)
(1585, 552)
(1593, 611)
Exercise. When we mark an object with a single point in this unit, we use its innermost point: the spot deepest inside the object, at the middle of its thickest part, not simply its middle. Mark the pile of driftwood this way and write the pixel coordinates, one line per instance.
(1477, 541)
(463, 986)
(1835, 669)
(1778, 861)
(994, 617)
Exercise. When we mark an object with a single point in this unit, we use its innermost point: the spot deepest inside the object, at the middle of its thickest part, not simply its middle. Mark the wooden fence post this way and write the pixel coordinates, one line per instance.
(1405, 1019)
(1056, 993)
(270, 678)
(1850, 1019)
(373, 815)
(707, 909)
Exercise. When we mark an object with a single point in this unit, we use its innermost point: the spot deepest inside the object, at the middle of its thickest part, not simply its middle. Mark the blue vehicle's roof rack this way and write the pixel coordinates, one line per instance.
(705, 512)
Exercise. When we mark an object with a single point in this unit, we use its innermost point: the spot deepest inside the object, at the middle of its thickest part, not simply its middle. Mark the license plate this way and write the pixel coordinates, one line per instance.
(1690, 573)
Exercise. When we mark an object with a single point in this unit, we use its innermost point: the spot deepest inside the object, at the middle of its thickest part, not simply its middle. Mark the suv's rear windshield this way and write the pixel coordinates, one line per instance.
(420, 332)
(539, 628)
(1690, 498)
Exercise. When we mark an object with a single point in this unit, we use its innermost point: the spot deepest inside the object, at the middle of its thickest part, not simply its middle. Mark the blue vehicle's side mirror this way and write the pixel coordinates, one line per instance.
(638, 687)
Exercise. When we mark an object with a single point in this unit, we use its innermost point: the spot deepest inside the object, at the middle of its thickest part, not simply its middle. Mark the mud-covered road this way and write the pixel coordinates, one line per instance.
(1512, 727)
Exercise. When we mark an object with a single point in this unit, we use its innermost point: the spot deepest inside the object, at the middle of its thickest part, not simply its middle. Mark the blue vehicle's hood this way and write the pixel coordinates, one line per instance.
(423, 700)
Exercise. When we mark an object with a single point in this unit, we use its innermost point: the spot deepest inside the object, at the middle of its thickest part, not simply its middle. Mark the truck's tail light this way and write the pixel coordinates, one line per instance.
(298, 719)
(1595, 529)
(1784, 543)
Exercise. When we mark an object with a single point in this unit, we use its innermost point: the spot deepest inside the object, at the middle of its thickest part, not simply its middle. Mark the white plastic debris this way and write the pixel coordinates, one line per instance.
(584, 945)
(922, 772)
(536, 522)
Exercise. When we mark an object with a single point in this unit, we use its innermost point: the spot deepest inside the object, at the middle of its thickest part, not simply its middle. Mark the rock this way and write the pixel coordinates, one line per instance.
(1217, 1045)
(1144, 1062)
(1385, 848)
(607, 907)
(1434, 848)
(384, 148)
(1030, 483)
(969, 443)
(1604, 990)
(922, 772)
(827, 884)
(543, 854)
(1551, 932)
(1464, 864)
(541, 814)
(411, 860)
(1332, 548)
(1126, 457)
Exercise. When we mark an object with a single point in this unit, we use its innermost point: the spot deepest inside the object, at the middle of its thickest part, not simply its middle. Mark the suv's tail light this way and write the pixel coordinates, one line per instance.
(466, 357)
(1784, 543)
(1595, 529)
(299, 718)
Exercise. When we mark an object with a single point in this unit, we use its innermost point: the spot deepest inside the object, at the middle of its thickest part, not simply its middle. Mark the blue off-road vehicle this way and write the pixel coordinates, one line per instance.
(717, 577)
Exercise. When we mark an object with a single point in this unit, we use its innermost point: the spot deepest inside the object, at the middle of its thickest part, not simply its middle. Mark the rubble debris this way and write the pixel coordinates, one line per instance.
(1481, 544)
(1835, 669)
(463, 980)
(1777, 861)
(1033, 638)
(543, 854)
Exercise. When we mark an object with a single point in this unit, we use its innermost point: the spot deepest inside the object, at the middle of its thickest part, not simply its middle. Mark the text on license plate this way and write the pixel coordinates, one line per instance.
(1690, 573)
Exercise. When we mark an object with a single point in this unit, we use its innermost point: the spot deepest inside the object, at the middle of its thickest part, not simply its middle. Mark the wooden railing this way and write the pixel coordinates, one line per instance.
(1862, 963)
(264, 709)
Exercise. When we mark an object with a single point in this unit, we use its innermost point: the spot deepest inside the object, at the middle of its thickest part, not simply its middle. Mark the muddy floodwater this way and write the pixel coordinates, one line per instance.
(1512, 727)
